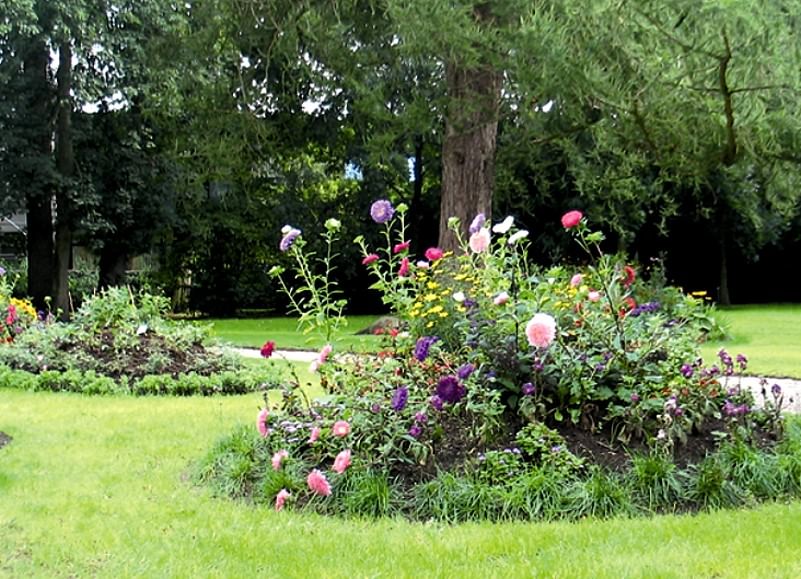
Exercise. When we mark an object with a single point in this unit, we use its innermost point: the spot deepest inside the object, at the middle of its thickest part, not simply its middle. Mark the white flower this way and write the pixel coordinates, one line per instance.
(142, 329)
(423, 264)
(501, 299)
(522, 234)
(661, 435)
(286, 229)
(458, 296)
(503, 226)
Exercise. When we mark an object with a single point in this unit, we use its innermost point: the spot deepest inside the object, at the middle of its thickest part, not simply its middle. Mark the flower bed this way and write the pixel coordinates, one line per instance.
(517, 392)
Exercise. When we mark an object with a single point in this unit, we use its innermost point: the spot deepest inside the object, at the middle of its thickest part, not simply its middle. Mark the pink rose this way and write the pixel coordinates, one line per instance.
(368, 259)
(342, 462)
(594, 296)
(278, 458)
(261, 422)
(315, 434)
(575, 281)
(281, 498)
(403, 270)
(318, 483)
(433, 253)
(341, 428)
(541, 330)
(480, 240)
(571, 219)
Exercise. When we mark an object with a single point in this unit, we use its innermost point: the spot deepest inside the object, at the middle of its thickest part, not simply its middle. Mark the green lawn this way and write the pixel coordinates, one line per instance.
(96, 486)
(770, 336)
(253, 332)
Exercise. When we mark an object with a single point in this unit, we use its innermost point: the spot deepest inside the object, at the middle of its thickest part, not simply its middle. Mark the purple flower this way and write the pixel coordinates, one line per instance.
(728, 408)
(436, 403)
(415, 431)
(422, 347)
(635, 398)
(528, 389)
(477, 223)
(290, 235)
(421, 417)
(678, 411)
(776, 390)
(464, 371)
(686, 370)
(742, 361)
(399, 399)
(382, 211)
(2, 271)
(375, 408)
(537, 366)
(449, 389)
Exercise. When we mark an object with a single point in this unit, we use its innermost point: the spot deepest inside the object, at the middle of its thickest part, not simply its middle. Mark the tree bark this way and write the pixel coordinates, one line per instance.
(723, 292)
(38, 198)
(112, 267)
(65, 161)
(468, 149)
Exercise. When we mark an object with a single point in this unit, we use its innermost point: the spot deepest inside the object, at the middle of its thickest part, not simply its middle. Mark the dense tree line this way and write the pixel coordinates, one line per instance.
(194, 131)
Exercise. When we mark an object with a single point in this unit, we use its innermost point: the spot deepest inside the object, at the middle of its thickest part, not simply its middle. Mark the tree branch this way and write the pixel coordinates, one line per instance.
(730, 152)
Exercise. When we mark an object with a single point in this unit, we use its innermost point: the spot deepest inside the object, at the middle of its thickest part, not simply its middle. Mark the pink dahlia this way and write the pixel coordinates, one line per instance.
(342, 462)
(594, 296)
(315, 434)
(341, 428)
(322, 358)
(541, 330)
(278, 458)
(571, 219)
(281, 498)
(318, 483)
(576, 280)
(261, 422)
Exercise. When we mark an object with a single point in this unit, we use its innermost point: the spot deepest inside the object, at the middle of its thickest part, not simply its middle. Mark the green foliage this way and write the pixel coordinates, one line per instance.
(655, 481)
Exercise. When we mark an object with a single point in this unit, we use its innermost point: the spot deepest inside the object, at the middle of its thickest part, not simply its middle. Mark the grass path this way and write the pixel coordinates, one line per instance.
(96, 487)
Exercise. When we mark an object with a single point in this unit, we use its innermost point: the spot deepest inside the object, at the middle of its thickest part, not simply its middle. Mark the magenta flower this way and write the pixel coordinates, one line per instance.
(318, 483)
(400, 247)
(278, 458)
(541, 330)
(433, 253)
(571, 219)
(281, 498)
(368, 259)
(290, 235)
(403, 270)
(480, 240)
(267, 349)
(341, 428)
(382, 211)
(342, 462)
(528, 389)
(261, 422)
(326, 350)
(416, 430)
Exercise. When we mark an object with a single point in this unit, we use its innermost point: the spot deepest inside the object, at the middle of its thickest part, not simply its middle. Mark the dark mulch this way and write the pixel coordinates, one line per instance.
(4, 439)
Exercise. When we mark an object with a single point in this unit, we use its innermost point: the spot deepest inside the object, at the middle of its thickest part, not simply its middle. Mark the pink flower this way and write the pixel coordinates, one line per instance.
(541, 330)
(368, 259)
(315, 434)
(403, 270)
(318, 483)
(423, 264)
(480, 240)
(594, 296)
(267, 349)
(575, 281)
(342, 461)
(281, 498)
(400, 247)
(261, 422)
(322, 358)
(341, 428)
(433, 253)
(278, 458)
(501, 299)
(571, 219)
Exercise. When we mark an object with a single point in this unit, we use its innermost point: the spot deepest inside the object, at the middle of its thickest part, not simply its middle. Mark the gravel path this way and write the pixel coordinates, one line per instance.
(790, 387)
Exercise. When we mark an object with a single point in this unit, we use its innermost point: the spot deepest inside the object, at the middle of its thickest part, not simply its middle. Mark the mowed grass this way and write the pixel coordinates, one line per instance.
(254, 332)
(97, 487)
(770, 336)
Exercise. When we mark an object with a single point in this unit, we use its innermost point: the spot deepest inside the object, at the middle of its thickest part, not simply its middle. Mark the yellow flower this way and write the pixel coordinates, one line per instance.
(460, 277)
(430, 297)
(432, 285)
(435, 309)
(430, 325)
(443, 314)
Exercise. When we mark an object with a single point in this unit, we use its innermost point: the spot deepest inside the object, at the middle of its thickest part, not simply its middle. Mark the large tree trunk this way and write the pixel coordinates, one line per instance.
(113, 265)
(38, 199)
(65, 161)
(468, 149)
(723, 292)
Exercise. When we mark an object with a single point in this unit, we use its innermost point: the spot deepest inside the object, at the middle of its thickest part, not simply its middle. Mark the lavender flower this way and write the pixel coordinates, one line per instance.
(422, 347)
(635, 398)
(415, 431)
(382, 211)
(290, 235)
(742, 361)
(646, 308)
(477, 223)
(776, 390)
(421, 417)
(399, 399)
(464, 371)
(449, 389)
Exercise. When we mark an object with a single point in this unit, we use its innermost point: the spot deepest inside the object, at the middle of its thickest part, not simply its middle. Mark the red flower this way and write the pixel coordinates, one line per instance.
(401, 247)
(368, 259)
(433, 253)
(267, 349)
(629, 275)
(403, 270)
(571, 219)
